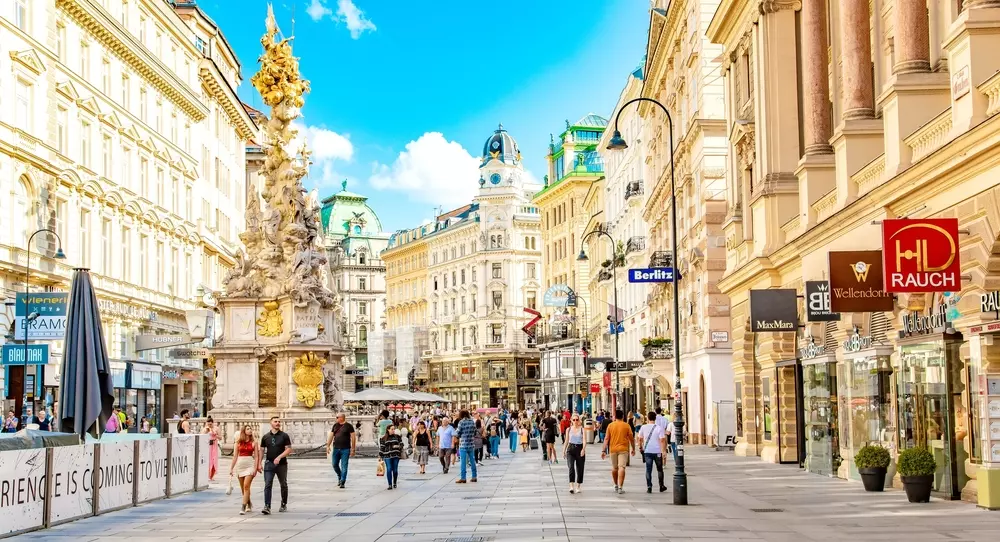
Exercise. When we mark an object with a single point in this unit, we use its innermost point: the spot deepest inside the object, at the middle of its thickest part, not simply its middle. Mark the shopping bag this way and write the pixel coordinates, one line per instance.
(380, 471)
(229, 490)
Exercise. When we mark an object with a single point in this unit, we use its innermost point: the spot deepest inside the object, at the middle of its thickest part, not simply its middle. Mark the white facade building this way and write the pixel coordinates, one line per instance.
(120, 130)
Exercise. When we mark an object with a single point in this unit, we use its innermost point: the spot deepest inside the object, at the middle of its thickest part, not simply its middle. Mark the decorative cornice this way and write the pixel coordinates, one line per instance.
(211, 77)
(109, 33)
(30, 59)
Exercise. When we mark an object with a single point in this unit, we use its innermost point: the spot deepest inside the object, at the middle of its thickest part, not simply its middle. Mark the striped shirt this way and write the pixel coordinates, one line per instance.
(390, 446)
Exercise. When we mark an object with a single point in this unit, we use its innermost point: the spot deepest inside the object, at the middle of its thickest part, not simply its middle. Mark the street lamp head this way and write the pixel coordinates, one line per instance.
(60, 255)
(617, 142)
(582, 257)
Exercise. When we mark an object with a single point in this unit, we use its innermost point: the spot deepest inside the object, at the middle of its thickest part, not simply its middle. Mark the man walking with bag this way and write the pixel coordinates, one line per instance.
(344, 441)
(276, 446)
(653, 443)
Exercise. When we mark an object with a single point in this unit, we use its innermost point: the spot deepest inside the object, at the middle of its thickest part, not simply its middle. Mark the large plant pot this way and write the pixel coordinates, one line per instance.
(873, 478)
(918, 488)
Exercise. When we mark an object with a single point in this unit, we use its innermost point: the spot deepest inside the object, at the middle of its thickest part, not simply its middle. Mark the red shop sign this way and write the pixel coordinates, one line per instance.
(921, 255)
(595, 388)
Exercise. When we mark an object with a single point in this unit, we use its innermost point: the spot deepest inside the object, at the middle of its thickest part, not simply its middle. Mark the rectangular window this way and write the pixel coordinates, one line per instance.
(61, 42)
(531, 300)
(158, 265)
(84, 238)
(159, 187)
(531, 271)
(497, 300)
(85, 60)
(21, 14)
(175, 261)
(158, 120)
(85, 144)
(362, 283)
(126, 179)
(126, 91)
(106, 76)
(175, 194)
(106, 246)
(497, 273)
(62, 129)
(144, 177)
(463, 306)
(463, 276)
(186, 275)
(144, 271)
(126, 266)
(23, 109)
(362, 308)
(496, 333)
(187, 201)
(473, 302)
(106, 155)
(62, 215)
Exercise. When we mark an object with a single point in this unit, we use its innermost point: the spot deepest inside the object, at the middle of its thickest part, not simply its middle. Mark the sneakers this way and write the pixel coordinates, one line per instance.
(394, 486)
(283, 508)
(243, 510)
(390, 488)
(616, 488)
(340, 485)
(620, 490)
(266, 511)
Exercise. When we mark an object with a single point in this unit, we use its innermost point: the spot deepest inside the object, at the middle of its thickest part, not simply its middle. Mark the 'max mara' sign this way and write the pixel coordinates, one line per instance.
(773, 310)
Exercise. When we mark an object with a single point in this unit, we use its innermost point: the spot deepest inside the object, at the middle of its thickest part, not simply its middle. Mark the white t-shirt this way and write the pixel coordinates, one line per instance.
(651, 434)
(662, 421)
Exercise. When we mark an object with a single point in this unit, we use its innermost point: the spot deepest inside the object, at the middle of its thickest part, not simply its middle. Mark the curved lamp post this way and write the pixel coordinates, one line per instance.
(28, 315)
(614, 278)
(618, 143)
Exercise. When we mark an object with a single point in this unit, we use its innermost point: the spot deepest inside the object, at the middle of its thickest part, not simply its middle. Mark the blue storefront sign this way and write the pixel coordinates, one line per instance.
(13, 354)
(654, 274)
(50, 322)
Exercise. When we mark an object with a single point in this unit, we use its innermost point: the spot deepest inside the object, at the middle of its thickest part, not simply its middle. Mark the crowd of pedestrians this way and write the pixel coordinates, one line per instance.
(461, 437)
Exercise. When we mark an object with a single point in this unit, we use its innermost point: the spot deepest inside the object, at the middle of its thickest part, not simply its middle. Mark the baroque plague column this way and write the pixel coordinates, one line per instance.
(279, 332)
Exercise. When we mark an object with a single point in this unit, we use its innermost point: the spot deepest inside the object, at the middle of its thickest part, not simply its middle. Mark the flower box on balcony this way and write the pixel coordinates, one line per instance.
(658, 352)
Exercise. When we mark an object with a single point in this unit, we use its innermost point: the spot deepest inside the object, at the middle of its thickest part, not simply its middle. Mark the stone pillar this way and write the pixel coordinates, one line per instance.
(912, 37)
(974, 4)
(855, 24)
(815, 79)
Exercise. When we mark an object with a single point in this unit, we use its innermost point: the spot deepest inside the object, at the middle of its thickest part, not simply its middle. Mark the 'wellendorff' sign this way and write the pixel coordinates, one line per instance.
(856, 282)
(773, 310)
(921, 324)
(921, 255)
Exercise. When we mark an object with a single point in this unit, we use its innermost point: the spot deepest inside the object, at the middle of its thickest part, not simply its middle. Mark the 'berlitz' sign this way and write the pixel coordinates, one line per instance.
(655, 274)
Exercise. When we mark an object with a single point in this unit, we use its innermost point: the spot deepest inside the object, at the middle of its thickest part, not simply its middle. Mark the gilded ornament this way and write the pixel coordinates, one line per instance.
(269, 324)
(308, 375)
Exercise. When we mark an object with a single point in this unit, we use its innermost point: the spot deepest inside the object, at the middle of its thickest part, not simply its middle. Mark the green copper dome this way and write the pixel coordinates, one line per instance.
(346, 214)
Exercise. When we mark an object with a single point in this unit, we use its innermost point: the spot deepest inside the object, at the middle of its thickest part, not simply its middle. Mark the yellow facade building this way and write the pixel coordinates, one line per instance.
(829, 136)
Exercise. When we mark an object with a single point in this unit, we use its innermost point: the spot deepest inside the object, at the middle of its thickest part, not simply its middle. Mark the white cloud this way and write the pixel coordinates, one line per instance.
(317, 10)
(431, 170)
(347, 12)
(328, 148)
(355, 19)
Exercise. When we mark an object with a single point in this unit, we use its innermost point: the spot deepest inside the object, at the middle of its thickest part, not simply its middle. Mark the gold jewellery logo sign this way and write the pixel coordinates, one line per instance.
(856, 282)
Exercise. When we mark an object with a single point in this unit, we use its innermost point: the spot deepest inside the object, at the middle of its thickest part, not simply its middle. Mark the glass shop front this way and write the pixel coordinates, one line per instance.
(820, 405)
(865, 395)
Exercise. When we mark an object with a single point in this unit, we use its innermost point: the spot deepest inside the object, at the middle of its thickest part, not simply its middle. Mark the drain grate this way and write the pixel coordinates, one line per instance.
(766, 510)
(465, 539)
(352, 514)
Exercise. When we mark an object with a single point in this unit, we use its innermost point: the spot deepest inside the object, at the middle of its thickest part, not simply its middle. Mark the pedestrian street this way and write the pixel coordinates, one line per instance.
(519, 497)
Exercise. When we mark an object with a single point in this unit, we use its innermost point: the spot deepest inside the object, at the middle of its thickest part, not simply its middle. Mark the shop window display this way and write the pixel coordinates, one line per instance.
(865, 405)
(821, 421)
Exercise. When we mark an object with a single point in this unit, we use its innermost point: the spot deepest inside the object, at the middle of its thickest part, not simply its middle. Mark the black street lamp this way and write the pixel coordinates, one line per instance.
(618, 143)
(614, 284)
(28, 315)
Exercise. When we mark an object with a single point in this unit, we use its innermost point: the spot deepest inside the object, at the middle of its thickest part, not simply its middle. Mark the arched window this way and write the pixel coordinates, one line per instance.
(363, 335)
(357, 230)
(361, 258)
(21, 207)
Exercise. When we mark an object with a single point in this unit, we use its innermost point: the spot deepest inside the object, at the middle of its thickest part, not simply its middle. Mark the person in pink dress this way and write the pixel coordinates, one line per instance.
(213, 447)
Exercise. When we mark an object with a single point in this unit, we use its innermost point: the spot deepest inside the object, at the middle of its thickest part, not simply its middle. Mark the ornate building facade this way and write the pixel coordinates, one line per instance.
(882, 110)
(353, 237)
(687, 81)
(120, 129)
(574, 165)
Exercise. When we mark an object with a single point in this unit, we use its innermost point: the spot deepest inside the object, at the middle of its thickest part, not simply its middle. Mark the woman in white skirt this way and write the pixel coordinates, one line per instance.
(422, 445)
(246, 457)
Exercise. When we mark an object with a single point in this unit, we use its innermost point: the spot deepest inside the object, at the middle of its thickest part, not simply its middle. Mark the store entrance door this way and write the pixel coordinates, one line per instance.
(787, 415)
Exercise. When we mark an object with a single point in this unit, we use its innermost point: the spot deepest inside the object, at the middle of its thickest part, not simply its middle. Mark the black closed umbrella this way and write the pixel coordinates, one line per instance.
(86, 391)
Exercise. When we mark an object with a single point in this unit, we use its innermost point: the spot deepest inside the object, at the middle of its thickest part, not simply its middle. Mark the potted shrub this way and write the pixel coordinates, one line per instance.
(872, 461)
(916, 468)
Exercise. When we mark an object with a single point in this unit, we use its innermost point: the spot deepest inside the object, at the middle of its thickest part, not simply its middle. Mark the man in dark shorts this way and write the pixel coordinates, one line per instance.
(549, 428)
(340, 446)
(276, 446)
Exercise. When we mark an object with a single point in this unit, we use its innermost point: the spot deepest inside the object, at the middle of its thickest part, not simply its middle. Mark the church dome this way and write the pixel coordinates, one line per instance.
(501, 146)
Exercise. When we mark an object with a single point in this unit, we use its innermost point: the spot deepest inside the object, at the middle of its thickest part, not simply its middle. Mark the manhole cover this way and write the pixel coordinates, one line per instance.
(766, 510)
(352, 514)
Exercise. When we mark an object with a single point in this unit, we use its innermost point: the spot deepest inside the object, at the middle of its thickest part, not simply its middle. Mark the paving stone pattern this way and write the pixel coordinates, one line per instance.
(519, 497)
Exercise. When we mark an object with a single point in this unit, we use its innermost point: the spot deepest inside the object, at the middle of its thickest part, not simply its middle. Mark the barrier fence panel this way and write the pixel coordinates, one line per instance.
(153, 467)
(22, 490)
(71, 477)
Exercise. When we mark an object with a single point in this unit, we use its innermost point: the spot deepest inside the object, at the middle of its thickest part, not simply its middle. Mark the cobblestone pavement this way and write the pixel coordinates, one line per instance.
(518, 497)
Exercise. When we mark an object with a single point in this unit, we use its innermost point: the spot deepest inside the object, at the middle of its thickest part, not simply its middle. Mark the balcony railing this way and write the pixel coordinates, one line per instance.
(661, 258)
(633, 188)
(635, 244)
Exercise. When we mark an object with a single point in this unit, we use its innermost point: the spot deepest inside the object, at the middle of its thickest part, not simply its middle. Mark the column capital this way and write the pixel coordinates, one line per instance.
(774, 6)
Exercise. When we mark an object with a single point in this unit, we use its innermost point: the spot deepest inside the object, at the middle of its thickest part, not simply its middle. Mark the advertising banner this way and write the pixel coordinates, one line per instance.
(50, 324)
(22, 489)
(856, 282)
(818, 302)
(71, 482)
(152, 469)
(182, 464)
(921, 255)
(773, 310)
(115, 476)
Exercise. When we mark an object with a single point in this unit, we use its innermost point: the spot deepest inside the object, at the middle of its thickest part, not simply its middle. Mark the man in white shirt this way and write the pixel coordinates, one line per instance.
(652, 442)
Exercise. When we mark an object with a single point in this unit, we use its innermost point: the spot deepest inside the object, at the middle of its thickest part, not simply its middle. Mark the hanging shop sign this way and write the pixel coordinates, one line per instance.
(188, 353)
(921, 255)
(13, 354)
(922, 324)
(811, 350)
(652, 274)
(990, 302)
(720, 336)
(773, 310)
(559, 295)
(50, 320)
(818, 302)
(858, 342)
(595, 388)
(856, 282)
(152, 342)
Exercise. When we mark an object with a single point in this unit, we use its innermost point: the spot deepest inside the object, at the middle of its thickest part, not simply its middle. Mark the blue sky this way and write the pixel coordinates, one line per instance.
(405, 93)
